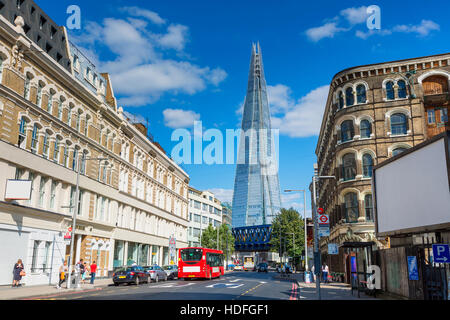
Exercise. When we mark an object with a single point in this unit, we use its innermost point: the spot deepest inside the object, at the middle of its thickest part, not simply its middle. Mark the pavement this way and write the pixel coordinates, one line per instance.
(9, 293)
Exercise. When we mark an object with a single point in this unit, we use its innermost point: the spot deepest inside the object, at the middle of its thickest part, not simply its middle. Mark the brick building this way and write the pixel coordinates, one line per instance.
(372, 113)
(53, 115)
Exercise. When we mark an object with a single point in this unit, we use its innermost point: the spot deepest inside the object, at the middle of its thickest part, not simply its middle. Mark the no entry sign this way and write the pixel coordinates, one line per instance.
(320, 211)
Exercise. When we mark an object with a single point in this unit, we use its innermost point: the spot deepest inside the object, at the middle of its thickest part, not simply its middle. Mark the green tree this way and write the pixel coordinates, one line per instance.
(289, 226)
(209, 238)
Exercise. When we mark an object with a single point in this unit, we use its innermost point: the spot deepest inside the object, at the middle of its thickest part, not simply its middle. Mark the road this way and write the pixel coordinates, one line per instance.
(235, 286)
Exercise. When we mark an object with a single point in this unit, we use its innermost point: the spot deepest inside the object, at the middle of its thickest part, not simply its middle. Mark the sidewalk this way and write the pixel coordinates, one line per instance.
(8, 293)
(328, 291)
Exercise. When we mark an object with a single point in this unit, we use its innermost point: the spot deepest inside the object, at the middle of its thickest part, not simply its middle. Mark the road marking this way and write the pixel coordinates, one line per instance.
(248, 291)
(235, 280)
(225, 285)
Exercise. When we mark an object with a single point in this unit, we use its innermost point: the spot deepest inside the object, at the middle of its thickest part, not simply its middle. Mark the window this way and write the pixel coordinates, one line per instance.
(60, 109)
(69, 116)
(399, 124)
(350, 98)
(73, 191)
(341, 100)
(34, 139)
(197, 218)
(197, 204)
(22, 134)
(1, 69)
(39, 95)
(444, 115)
(42, 191)
(368, 207)
(349, 167)
(53, 194)
(390, 94)
(75, 160)
(86, 125)
(361, 93)
(401, 89)
(366, 129)
(50, 102)
(431, 116)
(46, 146)
(78, 121)
(351, 207)
(19, 174)
(367, 166)
(347, 131)
(31, 178)
(26, 90)
(397, 151)
(80, 202)
(66, 156)
(56, 145)
(46, 262)
(34, 258)
(83, 164)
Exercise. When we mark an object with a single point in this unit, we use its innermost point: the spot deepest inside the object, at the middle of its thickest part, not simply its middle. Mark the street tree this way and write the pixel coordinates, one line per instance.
(209, 238)
(288, 228)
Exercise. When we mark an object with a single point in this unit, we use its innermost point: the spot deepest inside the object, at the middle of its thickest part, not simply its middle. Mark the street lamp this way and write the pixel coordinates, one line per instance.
(74, 219)
(316, 178)
(306, 224)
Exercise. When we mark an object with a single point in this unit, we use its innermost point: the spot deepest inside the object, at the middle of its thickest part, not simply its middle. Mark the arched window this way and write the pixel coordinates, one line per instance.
(361, 93)
(1, 68)
(34, 139)
(46, 147)
(22, 134)
(86, 125)
(26, 89)
(341, 100)
(397, 151)
(367, 165)
(347, 131)
(75, 159)
(368, 206)
(66, 156)
(83, 163)
(56, 147)
(390, 94)
(60, 108)
(348, 167)
(69, 115)
(350, 98)
(39, 94)
(351, 207)
(399, 124)
(401, 89)
(51, 94)
(365, 128)
(78, 121)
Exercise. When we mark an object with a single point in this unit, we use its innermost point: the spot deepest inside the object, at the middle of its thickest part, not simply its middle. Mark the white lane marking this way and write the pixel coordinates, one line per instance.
(225, 285)
(235, 280)
(262, 282)
(172, 285)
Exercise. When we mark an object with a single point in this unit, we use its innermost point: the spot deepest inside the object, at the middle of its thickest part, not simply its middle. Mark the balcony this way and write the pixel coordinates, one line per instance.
(435, 97)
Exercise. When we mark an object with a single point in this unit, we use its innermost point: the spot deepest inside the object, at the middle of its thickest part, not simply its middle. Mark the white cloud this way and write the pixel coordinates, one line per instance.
(279, 98)
(150, 15)
(355, 15)
(303, 119)
(178, 118)
(140, 72)
(422, 29)
(175, 38)
(328, 30)
(224, 195)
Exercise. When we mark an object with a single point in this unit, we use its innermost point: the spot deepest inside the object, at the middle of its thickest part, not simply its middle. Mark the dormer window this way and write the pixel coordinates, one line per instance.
(42, 22)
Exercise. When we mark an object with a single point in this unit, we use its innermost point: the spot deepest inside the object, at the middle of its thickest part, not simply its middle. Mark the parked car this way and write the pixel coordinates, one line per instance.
(231, 266)
(134, 274)
(156, 273)
(262, 267)
(171, 271)
(238, 267)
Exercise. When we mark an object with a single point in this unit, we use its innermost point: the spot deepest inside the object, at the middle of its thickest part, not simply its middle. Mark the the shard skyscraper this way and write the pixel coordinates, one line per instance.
(256, 199)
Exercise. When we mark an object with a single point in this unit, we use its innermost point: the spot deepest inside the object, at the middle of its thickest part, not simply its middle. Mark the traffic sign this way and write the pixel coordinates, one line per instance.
(324, 230)
(324, 219)
(333, 249)
(320, 211)
(441, 253)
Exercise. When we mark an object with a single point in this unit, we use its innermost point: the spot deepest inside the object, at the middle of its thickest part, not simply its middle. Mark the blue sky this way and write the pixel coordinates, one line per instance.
(174, 62)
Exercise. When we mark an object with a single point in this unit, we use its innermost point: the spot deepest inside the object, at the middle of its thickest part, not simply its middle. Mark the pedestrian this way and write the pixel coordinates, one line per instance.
(313, 273)
(18, 273)
(84, 272)
(93, 272)
(325, 271)
(62, 274)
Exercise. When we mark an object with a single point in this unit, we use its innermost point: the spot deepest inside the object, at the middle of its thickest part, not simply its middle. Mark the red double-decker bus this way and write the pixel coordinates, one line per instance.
(200, 263)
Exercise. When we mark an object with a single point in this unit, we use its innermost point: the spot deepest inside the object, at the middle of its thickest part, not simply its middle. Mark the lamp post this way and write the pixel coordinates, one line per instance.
(75, 213)
(306, 225)
(316, 178)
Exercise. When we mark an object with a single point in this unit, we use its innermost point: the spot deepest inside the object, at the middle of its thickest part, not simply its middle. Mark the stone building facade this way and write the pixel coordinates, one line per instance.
(51, 120)
(372, 113)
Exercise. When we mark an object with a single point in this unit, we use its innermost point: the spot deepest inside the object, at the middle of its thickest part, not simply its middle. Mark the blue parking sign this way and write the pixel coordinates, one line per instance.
(441, 253)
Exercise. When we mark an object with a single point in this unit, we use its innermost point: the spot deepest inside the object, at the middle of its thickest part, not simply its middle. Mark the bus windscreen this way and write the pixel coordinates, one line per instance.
(191, 254)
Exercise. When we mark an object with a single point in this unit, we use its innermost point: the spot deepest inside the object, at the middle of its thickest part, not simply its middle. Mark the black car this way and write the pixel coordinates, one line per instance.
(134, 274)
(172, 271)
(263, 267)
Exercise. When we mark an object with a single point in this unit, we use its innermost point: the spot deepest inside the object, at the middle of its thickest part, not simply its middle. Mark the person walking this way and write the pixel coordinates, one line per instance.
(325, 271)
(18, 273)
(93, 271)
(62, 274)
(84, 272)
